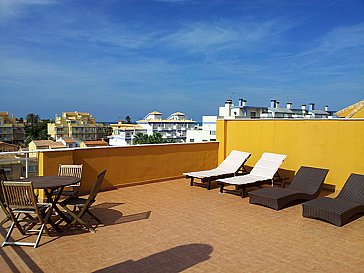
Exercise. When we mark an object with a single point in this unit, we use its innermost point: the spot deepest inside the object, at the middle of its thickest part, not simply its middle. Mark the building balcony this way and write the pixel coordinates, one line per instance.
(164, 225)
(167, 227)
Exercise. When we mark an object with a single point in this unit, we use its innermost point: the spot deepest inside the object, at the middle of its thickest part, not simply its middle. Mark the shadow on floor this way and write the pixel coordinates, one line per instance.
(108, 217)
(21, 255)
(173, 260)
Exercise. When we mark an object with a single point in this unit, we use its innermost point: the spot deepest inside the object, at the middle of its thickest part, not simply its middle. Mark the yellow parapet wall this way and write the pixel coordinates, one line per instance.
(133, 164)
(337, 145)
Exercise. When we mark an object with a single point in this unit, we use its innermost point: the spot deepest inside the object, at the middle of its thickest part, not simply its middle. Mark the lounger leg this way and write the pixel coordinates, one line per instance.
(243, 192)
(191, 182)
(209, 184)
(222, 187)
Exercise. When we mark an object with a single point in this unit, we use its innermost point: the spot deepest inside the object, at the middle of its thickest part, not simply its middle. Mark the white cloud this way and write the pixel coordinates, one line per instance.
(14, 8)
(216, 36)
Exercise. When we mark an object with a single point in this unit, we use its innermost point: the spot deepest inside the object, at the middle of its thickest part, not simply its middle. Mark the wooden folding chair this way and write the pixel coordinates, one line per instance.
(81, 206)
(20, 199)
(71, 170)
(2, 200)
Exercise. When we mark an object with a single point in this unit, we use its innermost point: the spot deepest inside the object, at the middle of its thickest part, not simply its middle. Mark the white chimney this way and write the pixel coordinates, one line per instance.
(303, 107)
(326, 108)
(311, 107)
(289, 105)
(242, 102)
(277, 104)
(228, 102)
(273, 104)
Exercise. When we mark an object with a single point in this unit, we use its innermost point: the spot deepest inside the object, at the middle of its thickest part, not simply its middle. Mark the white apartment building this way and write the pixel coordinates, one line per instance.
(124, 133)
(240, 111)
(173, 128)
(207, 132)
(243, 111)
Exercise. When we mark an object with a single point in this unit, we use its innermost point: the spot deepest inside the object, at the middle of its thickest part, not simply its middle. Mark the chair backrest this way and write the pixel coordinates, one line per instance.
(234, 161)
(19, 195)
(353, 189)
(2, 175)
(268, 165)
(309, 180)
(96, 187)
(2, 178)
(70, 170)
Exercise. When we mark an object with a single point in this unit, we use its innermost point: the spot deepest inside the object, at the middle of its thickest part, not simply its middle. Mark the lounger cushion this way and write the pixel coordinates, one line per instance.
(230, 165)
(243, 180)
(207, 173)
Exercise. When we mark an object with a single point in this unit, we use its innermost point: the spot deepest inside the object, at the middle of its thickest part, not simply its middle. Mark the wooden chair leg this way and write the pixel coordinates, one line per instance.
(5, 220)
(78, 219)
(6, 240)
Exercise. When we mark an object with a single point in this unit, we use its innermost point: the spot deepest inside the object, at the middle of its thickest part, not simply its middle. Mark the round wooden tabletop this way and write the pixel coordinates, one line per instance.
(52, 182)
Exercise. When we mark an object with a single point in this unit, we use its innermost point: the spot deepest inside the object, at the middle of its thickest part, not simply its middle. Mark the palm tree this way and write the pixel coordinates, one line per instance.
(141, 138)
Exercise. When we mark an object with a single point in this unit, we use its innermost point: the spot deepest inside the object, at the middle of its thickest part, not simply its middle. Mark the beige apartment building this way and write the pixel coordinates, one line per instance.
(78, 125)
(11, 131)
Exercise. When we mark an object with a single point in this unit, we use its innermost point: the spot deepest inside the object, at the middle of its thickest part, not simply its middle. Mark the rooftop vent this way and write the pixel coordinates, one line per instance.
(311, 107)
(242, 102)
(273, 104)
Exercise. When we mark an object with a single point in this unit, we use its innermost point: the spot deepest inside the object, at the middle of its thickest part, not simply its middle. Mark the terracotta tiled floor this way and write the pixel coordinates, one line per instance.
(171, 227)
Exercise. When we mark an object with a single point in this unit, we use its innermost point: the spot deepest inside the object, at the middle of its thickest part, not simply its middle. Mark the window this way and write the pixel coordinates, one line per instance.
(192, 140)
(6, 170)
(212, 132)
(31, 169)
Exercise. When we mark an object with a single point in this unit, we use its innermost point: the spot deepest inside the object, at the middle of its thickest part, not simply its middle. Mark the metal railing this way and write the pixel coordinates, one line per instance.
(20, 164)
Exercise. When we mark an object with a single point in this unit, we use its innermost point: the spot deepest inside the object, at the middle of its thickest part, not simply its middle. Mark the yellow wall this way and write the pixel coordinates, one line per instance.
(32, 147)
(337, 145)
(133, 164)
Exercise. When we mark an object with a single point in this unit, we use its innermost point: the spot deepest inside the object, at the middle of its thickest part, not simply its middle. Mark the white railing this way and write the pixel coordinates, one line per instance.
(11, 168)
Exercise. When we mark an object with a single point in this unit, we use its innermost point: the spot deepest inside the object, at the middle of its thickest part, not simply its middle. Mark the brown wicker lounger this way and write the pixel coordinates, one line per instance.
(341, 209)
(306, 185)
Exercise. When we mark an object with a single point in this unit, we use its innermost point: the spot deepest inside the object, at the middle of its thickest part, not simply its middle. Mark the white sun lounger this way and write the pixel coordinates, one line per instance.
(232, 164)
(263, 172)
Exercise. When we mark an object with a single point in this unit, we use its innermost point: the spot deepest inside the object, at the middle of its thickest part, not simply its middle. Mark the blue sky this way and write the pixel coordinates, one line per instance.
(129, 57)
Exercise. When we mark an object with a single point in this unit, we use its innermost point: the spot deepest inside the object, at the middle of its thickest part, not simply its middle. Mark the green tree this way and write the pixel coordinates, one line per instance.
(32, 119)
(35, 128)
(141, 138)
(108, 131)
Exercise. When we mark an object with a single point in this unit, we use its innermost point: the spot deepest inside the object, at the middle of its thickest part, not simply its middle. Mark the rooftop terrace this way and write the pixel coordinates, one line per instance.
(170, 227)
